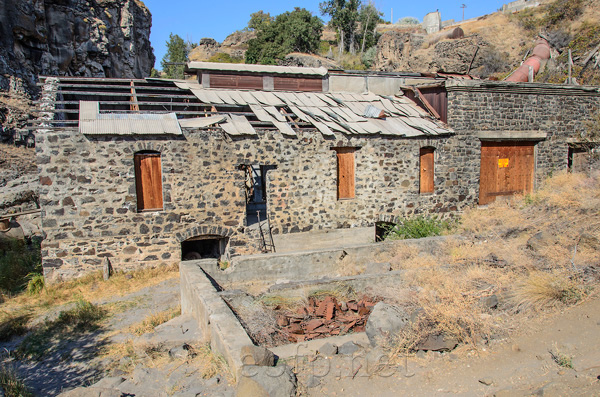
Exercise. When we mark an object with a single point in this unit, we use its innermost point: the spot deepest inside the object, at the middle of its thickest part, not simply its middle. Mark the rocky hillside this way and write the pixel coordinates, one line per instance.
(495, 44)
(99, 38)
(233, 48)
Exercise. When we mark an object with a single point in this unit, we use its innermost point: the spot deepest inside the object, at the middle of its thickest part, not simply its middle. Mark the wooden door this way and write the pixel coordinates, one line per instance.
(345, 158)
(507, 168)
(427, 174)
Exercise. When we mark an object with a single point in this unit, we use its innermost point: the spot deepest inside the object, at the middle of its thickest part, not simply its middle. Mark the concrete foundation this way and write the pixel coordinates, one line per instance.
(287, 274)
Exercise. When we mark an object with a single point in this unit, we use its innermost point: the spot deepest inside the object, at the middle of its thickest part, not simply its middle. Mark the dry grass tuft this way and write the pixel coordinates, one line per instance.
(540, 290)
(11, 384)
(154, 320)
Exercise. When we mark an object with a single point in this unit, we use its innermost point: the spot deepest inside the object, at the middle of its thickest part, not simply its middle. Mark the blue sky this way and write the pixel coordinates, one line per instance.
(193, 20)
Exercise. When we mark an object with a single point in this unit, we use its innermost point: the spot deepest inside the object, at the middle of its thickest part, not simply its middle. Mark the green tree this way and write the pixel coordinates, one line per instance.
(369, 16)
(344, 17)
(259, 20)
(177, 53)
(296, 31)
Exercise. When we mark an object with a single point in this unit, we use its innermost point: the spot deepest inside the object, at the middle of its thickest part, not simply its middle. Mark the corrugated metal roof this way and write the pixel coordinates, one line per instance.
(125, 123)
(241, 67)
(343, 112)
(201, 122)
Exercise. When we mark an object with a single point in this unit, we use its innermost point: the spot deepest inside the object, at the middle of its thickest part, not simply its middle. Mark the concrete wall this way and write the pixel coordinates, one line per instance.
(432, 22)
(381, 85)
(88, 191)
(266, 269)
(218, 323)
(323, 239)
(519, 5)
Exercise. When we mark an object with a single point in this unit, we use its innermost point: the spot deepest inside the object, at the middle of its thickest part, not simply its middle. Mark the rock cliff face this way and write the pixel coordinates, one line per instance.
(95, 38)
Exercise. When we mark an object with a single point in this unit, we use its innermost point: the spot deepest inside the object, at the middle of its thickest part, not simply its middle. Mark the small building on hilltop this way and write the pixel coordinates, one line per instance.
(244, 159)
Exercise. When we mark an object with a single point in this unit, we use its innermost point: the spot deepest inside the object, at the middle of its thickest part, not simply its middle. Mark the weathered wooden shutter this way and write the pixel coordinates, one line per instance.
(427, 175)
(148, 181)
(345, 158)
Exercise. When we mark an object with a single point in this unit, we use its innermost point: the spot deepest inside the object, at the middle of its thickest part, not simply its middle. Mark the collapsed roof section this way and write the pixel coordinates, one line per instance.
(125, 106)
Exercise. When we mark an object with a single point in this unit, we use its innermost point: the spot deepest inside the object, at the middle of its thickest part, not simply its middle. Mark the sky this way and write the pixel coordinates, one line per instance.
(193, 20)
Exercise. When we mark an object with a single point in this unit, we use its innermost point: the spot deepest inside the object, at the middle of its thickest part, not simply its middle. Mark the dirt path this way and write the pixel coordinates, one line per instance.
(522, 365)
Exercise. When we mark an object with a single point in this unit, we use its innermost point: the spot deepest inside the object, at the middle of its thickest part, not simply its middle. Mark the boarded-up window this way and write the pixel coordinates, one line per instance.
(236, 81)
(426, 165)
(297, 84)
(345, 172)
(148, 181)
(506, 169)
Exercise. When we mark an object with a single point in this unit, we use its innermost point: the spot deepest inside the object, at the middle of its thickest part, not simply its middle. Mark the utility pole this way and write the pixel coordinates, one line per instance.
(392, 17)
(463, 8)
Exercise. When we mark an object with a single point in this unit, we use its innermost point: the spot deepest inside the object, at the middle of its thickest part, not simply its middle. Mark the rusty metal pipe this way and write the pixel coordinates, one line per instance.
(541, 53)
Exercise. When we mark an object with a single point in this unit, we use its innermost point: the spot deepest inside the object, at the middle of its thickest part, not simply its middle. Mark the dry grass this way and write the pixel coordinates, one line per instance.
(154, 320)
(493, 257)
(90, 287)
(125, 356)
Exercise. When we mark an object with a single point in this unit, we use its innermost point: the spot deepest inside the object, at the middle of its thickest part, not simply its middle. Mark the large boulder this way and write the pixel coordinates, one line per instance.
(257, 381)
(385, 321)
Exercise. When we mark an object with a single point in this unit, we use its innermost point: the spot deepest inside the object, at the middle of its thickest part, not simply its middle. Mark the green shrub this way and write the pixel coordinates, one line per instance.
(36, 283)
(418, 227)
(368, 58)
(222, 57)
(17, 261)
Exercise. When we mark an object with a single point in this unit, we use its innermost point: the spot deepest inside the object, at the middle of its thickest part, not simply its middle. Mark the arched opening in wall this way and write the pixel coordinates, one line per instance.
(203, 247)
(382, 229)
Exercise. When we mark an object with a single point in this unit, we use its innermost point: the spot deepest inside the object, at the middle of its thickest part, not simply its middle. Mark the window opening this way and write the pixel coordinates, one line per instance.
(426, 180)
(203, 247)
(256, 191)
(345, 173)
(148, 181)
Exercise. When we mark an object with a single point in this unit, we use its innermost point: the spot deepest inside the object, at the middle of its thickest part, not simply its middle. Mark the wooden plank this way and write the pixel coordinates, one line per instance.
(345, 157)
(218, 80)
(427, 170)
(507, 168)
(288, 83)
(148, 181)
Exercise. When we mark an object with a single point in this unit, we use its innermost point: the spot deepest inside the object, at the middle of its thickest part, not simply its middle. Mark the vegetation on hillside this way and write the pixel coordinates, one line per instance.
(296, 31)
(567, 25)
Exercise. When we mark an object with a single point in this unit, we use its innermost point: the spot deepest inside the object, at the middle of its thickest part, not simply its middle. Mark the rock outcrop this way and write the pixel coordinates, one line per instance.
(234, 45)
(96, 38)
(402, 51)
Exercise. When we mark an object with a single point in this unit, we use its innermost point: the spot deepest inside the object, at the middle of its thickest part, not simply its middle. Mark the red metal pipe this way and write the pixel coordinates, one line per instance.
(541, 53)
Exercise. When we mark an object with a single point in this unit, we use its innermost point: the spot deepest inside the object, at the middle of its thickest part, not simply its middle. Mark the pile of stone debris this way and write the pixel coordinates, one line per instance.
(325, 317)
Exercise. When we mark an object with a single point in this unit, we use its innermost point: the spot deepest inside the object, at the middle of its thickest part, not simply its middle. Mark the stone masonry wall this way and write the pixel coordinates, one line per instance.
(515, 108)
(88, 196)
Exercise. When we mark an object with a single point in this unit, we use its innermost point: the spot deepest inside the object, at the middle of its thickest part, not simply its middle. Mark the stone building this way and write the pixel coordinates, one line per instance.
(247, 159)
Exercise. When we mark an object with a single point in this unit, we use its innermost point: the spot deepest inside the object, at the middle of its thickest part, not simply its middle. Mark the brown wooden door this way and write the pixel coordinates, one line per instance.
(427, 175)
(148, 178)
(345, 158)
(506, 169)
